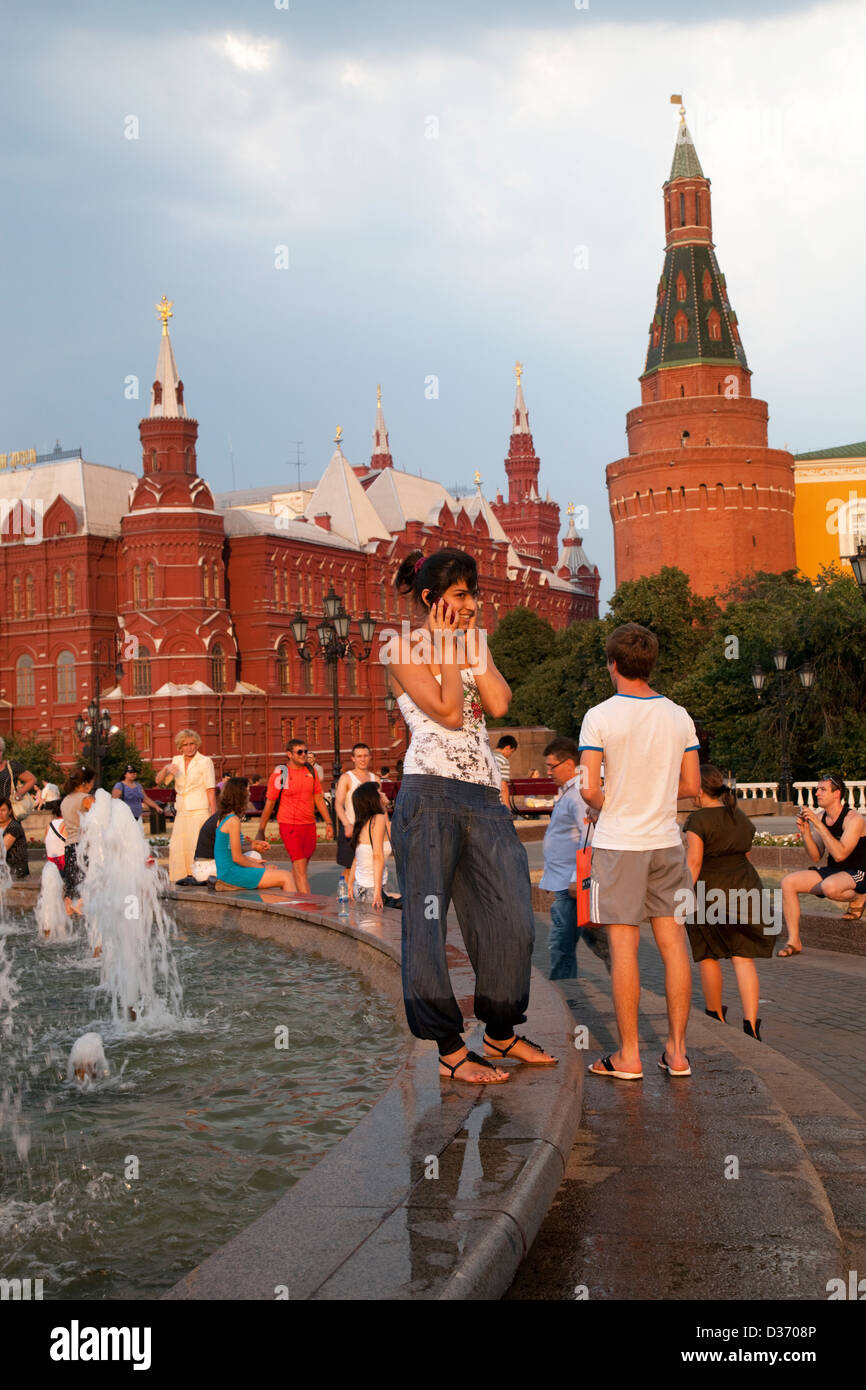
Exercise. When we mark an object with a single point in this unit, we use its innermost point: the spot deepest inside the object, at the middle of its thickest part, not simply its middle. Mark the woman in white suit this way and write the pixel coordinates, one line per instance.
(195, 784)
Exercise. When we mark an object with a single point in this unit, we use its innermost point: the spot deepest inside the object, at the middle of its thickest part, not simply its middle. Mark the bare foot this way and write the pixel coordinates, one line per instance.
(478, 1072)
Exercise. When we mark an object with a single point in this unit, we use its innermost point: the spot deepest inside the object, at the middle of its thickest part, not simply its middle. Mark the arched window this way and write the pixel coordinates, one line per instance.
(714, 326)
(16, 597)
(218, 669)
(58, 592)
(136, 585)
(707, 285)
(70, 591)
(682, 287)
(351, 674)
(216, 583)
(66, 678)
(205, 583)
(681, 328)
(284, 670)
(682, 209)
(276, 587)
(151, 584)
(657, 333)
(187, 459)
(307, 677)
(25, 691)
(286, 590)
(141, 684)
(28, 596)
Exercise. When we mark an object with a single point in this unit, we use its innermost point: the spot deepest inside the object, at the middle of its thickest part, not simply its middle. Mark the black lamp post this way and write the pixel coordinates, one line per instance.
(98, 730)
(390, 706)
(807, 680)
(334, 646)
(858, 565)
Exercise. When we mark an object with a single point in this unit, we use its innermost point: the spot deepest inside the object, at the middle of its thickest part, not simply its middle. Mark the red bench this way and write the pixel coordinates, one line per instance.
(533, 796)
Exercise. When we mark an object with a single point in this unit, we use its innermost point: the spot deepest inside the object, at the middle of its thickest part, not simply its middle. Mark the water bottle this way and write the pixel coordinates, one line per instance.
(343, 897)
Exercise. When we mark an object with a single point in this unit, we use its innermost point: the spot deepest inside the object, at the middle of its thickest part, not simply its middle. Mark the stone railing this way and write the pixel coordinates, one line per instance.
(755, 791)
(856, 794)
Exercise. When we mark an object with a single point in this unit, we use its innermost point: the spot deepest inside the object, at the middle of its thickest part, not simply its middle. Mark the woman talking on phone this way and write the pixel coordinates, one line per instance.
(453, 838)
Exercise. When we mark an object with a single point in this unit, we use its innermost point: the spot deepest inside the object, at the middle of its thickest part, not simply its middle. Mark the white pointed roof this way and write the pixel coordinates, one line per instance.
(352, 513)
(381, 444)
(166, 375)
(479, 503)
(98, 494)
(402, 497)
(521, 414)
(572, 554)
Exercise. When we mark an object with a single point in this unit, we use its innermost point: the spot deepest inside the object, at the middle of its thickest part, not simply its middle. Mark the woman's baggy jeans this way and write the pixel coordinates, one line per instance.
(455, 841)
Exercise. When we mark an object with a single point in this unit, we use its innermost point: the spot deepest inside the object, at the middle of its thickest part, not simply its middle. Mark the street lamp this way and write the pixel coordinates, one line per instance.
(390, 706)
(858, 565)
(807, 680)
(98, 730)
(334, 646)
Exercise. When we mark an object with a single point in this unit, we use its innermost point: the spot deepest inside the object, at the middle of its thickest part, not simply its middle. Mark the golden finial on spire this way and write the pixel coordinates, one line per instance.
(518, 371)
(571, 509)
(164, 308)
(338, 437)
(678, 101)
(378, 398)
(477, 478)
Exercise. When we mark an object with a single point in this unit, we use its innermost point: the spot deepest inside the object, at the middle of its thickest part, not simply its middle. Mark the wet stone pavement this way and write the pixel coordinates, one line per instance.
(745, 1181)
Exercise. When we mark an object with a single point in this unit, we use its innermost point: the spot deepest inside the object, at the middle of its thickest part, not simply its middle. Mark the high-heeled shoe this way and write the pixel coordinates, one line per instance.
(724, 1014)
(753, 1032)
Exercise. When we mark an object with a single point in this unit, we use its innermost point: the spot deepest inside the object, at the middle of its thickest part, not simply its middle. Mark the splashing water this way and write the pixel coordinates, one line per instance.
(87, 1059)
(52, 921)
(125, 917)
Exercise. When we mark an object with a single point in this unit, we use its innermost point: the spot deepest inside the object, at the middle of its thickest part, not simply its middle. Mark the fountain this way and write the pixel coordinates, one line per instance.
(127, 925)
(52, 920)
(87, 1059)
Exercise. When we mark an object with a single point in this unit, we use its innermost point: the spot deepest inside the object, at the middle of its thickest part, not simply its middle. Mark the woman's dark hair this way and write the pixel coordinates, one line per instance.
(713, 784)
(52, 807)
(4, 801)
(234, 797)
(367, 804)
(78, 777)
(436, 572)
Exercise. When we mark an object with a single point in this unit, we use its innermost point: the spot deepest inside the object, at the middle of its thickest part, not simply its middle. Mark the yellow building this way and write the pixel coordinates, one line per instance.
(829, 505)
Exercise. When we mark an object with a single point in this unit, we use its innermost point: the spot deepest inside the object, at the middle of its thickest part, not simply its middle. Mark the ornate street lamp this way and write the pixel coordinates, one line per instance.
(858, 565)
(98, 730)
(334, 646)
(807, 680)
(390, 706)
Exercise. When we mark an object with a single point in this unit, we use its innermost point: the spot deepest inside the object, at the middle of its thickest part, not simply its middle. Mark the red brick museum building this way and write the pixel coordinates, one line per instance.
(194, 594)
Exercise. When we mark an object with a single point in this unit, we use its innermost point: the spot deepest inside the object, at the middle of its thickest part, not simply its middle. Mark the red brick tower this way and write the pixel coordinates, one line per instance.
(699, 489)
(171, 581)
(531, 524)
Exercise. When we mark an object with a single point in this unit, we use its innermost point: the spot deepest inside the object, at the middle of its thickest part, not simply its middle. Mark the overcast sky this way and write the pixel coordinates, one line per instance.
(430, 169)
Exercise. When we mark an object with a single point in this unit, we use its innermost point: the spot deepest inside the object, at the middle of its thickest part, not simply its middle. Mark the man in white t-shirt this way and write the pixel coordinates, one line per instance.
(650, 753)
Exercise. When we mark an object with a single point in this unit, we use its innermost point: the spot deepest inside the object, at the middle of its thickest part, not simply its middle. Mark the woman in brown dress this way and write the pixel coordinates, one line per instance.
(728, 924)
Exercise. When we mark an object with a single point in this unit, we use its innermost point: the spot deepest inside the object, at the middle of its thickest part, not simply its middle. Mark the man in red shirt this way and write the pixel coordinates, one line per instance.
(296, 792)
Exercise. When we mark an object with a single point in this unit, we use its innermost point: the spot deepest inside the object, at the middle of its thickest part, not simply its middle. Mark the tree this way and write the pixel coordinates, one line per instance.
(521, 642)
(37, 757)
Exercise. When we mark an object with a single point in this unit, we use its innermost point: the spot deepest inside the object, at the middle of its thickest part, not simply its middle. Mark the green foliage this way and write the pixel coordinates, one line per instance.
(706, 657)
(121, 750)
(37, 757)
(521, 642)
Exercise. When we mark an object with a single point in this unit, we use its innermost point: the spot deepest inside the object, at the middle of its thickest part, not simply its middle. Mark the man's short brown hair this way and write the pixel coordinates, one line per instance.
(562, 748)
(634, 649)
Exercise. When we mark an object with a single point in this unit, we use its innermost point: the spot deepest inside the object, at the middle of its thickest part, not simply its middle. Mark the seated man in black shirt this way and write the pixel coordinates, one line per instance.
(204, 864)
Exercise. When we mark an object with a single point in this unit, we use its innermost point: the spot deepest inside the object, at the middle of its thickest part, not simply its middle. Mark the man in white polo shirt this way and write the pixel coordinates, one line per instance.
(651, 758)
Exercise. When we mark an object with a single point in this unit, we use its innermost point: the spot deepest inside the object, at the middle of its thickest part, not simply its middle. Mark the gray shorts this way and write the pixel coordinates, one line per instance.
(631, 885)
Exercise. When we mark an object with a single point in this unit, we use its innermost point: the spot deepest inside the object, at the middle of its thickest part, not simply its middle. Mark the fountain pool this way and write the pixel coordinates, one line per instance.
(115, 1188)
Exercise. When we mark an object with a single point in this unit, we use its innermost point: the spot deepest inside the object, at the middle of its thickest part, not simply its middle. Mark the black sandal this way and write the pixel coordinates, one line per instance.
(479, 1061)
(504, 1051)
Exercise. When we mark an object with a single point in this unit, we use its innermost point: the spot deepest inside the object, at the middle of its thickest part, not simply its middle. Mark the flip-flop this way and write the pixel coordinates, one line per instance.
(787, 951)
(664, 1065)
(610, 1070)
(493, 1050)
